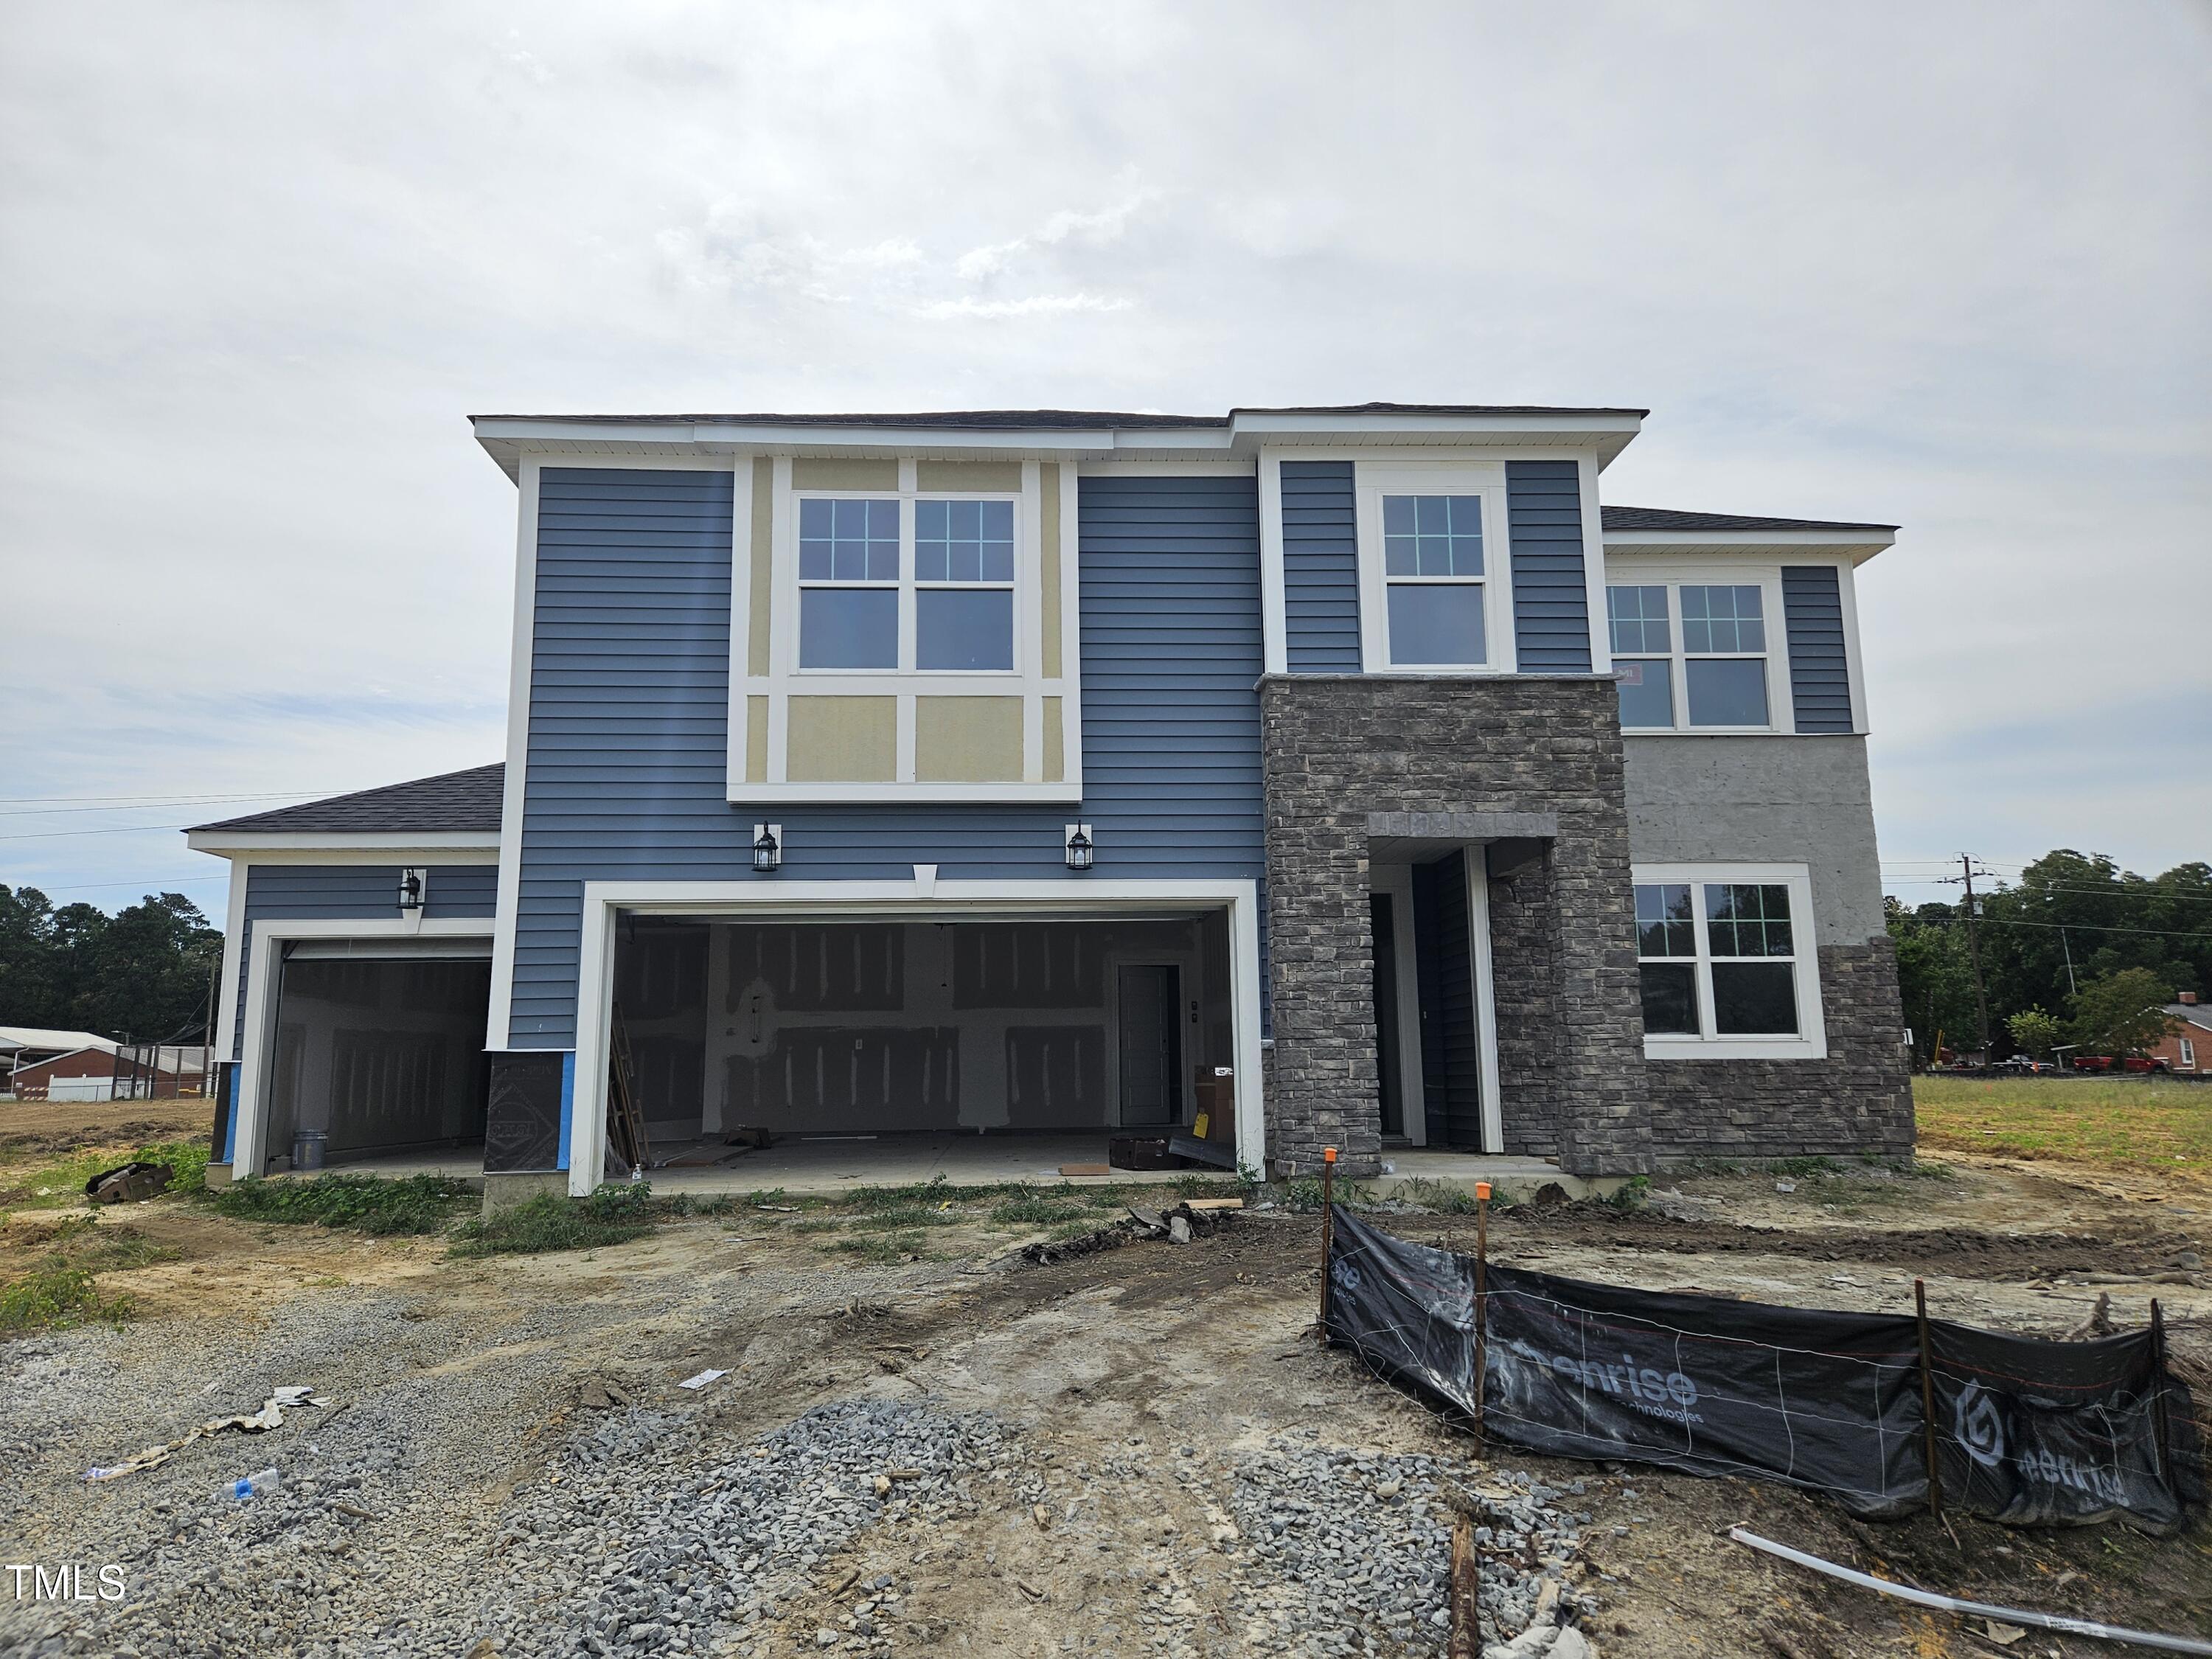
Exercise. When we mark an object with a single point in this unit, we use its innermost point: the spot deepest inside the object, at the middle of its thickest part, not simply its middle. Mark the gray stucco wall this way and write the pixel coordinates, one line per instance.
(1763, 799)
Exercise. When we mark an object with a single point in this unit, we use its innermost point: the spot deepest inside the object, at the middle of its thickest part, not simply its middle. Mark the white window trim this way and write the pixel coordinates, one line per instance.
(2188, 1053)
(1026, 679)
(1812, 1040)
(1780, 709)
(1371, 481)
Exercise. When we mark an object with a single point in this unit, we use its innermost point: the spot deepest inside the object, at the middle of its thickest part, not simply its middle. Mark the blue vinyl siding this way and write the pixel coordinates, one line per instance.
(1321, 569)
(1819, 665)
(365, 892)
(1550, 587)
(629, 711)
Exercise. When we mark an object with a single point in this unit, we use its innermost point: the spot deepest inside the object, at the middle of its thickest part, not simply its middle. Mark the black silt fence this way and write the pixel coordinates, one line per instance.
(2026, 1431)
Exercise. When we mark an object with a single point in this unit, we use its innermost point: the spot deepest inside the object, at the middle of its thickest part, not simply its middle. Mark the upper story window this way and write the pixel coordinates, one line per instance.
(1725, 960)
(1711, 675)
(1434, 595)
(848, 583)
(964, 586)
(872, 600)
(1433, 566)
(904, 629)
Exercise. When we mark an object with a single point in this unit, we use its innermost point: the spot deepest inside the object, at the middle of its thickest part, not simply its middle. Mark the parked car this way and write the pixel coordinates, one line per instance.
(2026, 1063)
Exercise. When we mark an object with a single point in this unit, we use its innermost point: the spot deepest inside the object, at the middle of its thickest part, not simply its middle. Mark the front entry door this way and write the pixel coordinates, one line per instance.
(1149, 997)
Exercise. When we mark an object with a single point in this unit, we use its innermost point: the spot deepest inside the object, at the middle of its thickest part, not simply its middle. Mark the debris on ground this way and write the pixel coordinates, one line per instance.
(130, 1183)
(270, 1416)
(702, 1379)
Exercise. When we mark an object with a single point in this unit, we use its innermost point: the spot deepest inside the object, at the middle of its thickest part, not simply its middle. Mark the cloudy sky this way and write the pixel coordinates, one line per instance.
(1941, 263)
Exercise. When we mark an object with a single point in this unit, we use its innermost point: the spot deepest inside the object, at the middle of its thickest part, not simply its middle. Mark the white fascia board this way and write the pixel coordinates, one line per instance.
(783, 794)
(1139, 441)
(1609, 434)
(1861, 544)
(786, 439)
(313, 846)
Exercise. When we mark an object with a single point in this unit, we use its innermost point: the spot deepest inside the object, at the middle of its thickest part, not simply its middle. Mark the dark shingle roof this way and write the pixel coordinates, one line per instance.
(451, 801)
(1661, 518)
(1055, 419)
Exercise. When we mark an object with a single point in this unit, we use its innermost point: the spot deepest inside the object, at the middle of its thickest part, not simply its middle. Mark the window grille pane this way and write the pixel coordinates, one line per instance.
(1647, 692)
(1670, 999)
(1663, 924)
(848, 628)
(1432, 535)
(971, 628)
(1638, 615)
(1754, 998)
(1725, 690)
(1439, 625)
(1748, 919)
(965, 541)
(1723, 619)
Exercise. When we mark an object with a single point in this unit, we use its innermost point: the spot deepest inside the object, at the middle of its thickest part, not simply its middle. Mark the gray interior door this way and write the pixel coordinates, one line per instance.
(1150, 1039)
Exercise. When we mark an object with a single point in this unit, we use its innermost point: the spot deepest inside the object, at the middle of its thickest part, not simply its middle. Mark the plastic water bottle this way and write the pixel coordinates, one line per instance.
(252, 1486)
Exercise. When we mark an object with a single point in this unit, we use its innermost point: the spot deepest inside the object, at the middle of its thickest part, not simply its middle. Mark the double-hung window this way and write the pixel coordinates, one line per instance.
(1433, 566)
(857, 567)
(964, 556)
(1725, 960)
(848, 583)
(1710, 676)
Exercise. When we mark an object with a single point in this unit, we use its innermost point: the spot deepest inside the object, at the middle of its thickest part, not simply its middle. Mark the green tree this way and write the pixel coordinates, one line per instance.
(2123, 1014)
(2035, 1033)
(1935, 982)
(141, 973)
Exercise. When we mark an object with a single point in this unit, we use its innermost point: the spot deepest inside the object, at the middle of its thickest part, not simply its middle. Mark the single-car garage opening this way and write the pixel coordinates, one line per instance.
(377, 1056)
(1066, 1032)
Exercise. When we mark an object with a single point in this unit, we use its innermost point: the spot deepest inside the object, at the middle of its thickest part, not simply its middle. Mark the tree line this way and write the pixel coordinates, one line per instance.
(2077, 951)
(140, 975)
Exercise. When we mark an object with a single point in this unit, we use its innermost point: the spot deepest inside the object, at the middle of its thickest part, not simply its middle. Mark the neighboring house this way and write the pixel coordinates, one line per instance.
(91, 1074)
(23, 1047)
(1019, 772)
(2186, 1047)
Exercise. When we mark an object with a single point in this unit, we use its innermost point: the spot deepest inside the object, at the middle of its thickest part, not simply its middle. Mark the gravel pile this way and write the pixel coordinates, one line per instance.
(656, 1544)
(1347, 1552)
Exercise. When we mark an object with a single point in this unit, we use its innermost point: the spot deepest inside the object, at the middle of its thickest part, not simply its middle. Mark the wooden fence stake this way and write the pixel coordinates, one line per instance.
(1465, 1590)
(1327, 1231)
(1928, 1399)
(2158, 1362)
(1481, 1299)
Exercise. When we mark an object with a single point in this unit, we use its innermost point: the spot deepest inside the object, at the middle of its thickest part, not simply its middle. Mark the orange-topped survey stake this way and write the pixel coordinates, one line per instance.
(1328, 1154)
(1482, 1191)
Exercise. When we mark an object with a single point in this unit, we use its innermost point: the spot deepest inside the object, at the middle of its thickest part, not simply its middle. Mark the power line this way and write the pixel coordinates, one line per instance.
(119, 829)
(96, 886)
(2061, 926)
(149, 806)
(172, 800)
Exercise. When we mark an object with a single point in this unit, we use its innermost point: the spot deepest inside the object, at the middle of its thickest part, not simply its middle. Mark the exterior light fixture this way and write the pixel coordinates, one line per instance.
(1081, 850)
(767, 847)
(414, 885)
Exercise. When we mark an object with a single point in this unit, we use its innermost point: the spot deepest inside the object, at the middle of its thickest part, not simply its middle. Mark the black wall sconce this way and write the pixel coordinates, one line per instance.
(1081, 850)
(414, 888)
(767, 847)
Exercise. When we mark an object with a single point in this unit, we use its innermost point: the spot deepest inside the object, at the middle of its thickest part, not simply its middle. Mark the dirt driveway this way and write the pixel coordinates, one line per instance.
(1142, 1451)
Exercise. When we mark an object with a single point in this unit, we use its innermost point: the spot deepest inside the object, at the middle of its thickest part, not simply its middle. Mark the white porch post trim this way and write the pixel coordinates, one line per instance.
(496, 1034)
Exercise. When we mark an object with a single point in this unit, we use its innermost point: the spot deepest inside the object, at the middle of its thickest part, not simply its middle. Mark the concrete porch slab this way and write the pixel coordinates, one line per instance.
(1514, 1180)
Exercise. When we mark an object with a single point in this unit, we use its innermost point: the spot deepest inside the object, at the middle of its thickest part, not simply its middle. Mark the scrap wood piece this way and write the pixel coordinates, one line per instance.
(2057, 1621)
(270, 1416)
(1203, 1204)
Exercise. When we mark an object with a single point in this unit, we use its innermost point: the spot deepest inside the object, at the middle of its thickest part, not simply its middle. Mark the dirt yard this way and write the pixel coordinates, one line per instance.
(925, 1443)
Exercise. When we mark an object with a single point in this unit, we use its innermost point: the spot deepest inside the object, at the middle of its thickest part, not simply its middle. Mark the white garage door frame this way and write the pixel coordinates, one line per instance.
(923, 897)
(248, 1153)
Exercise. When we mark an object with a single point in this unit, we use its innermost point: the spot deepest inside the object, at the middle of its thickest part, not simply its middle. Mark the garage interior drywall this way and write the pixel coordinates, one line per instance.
(385, 1055)
(881, 1027)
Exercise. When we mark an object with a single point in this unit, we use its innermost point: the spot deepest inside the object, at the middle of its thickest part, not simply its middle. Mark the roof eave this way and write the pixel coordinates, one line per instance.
(1860, 545)
(235, 843)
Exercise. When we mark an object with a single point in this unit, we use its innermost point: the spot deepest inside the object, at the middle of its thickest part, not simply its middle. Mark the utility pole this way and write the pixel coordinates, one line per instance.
(207, 1054)
(2072, 989)
(1974, 953)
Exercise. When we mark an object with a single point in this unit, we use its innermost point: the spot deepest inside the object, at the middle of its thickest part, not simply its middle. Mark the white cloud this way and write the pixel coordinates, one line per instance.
(1961, 288)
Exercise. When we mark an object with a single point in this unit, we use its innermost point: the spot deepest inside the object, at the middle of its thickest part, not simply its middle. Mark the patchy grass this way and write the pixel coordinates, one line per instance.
(550, 1223)
(60, 1287)
(1034, 1212)
(879, 1249)
(1302, 1195)
(60, 1186)
(1420, 1192)
(905, 1218)
(2135, 1123)
(362, 1203)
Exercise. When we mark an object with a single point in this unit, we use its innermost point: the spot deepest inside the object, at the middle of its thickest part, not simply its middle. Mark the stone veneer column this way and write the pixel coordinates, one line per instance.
(1338, 748)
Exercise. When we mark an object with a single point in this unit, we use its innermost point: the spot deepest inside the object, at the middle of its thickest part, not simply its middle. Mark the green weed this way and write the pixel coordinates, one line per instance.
(549, 1222)
(880, 1249)
(363, 1204)
(1034, 1212)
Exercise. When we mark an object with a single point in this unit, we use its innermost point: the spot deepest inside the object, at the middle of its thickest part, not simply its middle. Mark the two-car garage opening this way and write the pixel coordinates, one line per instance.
(1067, 1029)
